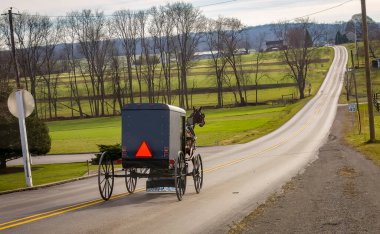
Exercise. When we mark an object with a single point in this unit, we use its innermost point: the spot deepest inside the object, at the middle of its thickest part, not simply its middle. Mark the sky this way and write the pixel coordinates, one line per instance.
(250, 12)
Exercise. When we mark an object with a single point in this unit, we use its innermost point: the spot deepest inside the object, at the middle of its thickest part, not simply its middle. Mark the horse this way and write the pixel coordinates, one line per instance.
(196, 118)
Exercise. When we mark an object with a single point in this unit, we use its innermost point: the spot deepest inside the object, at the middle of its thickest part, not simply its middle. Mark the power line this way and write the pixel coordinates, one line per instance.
(327, 9)
(217, 3)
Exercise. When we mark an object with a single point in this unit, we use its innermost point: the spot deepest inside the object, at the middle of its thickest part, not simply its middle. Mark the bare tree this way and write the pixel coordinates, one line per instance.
(49, 71)
(188, 25)
(232, 38)
(257, 61)
(123, 22)
(148, 57)
(115, 74)
(161, 28)
(29, 31)
(69, 54)
(94, 41)
(214, 39)
(299, 51)
(6, 67)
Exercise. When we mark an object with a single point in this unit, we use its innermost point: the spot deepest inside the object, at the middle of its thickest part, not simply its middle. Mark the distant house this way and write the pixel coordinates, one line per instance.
(275, 45)
(241, 51)
(204, 55)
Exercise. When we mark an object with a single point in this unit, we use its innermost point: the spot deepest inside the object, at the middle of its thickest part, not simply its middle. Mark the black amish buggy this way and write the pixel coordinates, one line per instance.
(156, 144)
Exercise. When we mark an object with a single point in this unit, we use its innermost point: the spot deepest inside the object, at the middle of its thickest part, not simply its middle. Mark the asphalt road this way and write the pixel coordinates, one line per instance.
(70, 158)
(237, 179)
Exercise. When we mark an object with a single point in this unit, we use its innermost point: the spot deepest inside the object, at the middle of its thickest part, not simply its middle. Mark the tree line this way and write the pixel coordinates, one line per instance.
(109, 60)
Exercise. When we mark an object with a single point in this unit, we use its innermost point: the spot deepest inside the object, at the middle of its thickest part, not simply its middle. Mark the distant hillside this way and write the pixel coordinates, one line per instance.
(328, 36)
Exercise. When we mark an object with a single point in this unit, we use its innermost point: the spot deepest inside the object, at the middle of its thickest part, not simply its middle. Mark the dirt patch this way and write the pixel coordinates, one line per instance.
(346, 172)
(338, 193)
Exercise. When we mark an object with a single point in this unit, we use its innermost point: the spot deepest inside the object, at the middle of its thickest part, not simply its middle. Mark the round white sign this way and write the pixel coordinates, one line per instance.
(28, 102)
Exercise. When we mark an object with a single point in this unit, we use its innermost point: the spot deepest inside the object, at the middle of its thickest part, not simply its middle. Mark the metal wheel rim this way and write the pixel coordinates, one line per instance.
(130, 182)
(198, 173)
(105, 176)
(180, 177)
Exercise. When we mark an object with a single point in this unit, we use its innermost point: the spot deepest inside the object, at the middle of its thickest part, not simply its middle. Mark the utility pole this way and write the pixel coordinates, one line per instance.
(15, 64)
(368, 73)
(356, 92)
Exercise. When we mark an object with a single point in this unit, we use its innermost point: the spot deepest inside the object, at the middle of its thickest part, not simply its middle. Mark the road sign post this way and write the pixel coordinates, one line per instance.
(352, 107)
(21, 105)
(24, 139)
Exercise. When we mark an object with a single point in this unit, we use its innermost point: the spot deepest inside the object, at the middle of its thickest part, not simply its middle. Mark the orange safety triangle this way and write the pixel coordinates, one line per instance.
(143, 151)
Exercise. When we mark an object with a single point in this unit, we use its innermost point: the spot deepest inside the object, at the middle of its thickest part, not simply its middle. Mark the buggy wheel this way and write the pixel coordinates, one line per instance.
(105, 176)
(130, 179)
(180, 176)
(198, 173)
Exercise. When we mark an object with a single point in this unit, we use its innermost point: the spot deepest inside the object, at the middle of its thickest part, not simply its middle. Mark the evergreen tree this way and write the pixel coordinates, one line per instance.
(338, 38)
(10, 144)
(308, 40)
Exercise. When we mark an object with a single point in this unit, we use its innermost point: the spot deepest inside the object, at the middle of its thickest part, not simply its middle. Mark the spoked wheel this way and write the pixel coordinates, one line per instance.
(105, 176)
(198, 173)
(180, 176)
(130, 179)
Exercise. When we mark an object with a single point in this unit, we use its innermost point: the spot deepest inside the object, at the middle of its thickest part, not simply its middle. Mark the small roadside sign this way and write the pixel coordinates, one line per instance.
(352, 107)
(21, 105)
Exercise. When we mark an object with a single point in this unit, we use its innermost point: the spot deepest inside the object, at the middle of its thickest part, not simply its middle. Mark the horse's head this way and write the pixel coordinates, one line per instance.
(198, 116)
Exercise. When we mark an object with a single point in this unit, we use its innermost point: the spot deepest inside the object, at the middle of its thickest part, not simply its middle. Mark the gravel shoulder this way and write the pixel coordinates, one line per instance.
(337, 193)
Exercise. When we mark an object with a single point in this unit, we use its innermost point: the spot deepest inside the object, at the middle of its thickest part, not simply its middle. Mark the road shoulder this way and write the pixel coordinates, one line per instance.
(338, 193)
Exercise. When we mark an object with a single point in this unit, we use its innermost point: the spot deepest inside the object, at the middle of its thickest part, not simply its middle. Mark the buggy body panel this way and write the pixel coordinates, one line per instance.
(160, 126)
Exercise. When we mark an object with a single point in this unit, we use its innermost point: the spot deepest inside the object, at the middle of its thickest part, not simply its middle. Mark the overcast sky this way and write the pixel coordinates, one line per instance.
(250, 12)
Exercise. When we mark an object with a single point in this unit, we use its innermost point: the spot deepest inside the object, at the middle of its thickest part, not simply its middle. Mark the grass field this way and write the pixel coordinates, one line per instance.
(224, 126)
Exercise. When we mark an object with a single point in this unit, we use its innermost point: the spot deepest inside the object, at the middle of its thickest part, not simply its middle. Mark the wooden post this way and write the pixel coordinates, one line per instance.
(368, 74)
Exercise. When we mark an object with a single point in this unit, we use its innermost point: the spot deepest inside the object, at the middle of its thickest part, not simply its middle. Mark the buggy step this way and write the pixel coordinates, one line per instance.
(160, 185)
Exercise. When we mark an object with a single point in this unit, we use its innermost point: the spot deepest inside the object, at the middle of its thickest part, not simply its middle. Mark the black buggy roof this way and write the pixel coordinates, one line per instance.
(153, 106)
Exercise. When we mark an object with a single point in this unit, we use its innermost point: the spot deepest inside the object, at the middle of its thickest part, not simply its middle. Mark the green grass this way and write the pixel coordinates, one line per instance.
(13, 177)
(75, 136)
(224, 126)
(360, 141)
(353, 138)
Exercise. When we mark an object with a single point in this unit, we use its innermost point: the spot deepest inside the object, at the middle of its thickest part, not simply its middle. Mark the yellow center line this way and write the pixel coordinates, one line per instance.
(286, 139)
(43, 215)
(47, 214)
